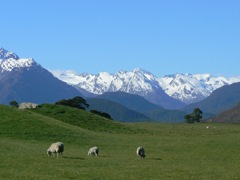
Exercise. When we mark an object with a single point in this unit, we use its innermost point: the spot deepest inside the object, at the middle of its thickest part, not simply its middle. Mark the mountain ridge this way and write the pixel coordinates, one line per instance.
(231, 115)
(187, 88)
(220, 100)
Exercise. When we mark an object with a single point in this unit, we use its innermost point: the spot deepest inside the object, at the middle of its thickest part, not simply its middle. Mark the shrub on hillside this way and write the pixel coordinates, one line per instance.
(77, 102)
(103, 114)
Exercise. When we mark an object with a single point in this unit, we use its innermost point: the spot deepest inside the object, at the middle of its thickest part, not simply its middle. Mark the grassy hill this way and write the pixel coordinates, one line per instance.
(81, 118)
(174, 151)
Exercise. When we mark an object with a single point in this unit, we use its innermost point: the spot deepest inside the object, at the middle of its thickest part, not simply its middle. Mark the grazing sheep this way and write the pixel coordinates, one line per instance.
(93, 151)
(56, 148)
(141, 152)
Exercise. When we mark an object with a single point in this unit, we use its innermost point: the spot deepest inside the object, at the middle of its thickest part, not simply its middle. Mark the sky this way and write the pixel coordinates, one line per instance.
(160, 36)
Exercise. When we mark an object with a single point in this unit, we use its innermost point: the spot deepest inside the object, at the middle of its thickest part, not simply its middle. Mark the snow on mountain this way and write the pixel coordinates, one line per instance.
(9, 61)
(188, 88)
(134, 82)
(216, 82)
(4, 54)
(67, 76)
(183, 87)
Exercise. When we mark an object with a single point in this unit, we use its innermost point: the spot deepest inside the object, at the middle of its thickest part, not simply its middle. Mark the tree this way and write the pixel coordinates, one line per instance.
(103, 114)
(14, 104)
(77, 102)
(196, 116)
(188, 118)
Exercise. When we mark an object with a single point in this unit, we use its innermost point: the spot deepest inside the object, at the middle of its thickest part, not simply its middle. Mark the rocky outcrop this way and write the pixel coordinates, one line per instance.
(28, 105)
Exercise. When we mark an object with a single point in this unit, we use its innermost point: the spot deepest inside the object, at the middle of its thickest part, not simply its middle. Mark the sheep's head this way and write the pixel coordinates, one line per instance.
(49, 152)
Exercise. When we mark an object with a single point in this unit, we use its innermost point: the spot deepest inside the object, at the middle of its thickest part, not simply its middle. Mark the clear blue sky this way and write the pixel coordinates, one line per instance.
(160, 36)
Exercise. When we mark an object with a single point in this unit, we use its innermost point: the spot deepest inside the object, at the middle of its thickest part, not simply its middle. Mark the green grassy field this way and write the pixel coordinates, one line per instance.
(174, 151)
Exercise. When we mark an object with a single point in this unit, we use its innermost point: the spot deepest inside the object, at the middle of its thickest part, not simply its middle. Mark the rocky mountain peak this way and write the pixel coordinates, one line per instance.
(9, 60)
(4, 54)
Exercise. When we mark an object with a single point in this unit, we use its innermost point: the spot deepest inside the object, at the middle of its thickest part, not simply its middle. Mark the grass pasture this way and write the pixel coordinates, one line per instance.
(174, 151)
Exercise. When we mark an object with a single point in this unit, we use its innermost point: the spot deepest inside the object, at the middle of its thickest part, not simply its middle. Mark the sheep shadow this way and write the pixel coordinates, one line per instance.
(81, 158)
(156, 159)
(99, 156)
(74, 158)
(103, 156)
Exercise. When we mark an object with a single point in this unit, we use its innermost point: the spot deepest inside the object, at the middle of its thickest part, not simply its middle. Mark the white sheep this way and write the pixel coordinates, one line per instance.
(93, 151)
(56, 148)
(141, 152)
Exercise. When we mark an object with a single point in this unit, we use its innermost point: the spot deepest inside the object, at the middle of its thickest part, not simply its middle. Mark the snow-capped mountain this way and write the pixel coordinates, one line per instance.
(188, 88)
(129, 82)
(137, 82)
(24, 80)
(9, 61)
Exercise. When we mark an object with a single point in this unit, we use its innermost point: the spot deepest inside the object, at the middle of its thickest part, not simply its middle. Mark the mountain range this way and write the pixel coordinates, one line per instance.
(127, 96)
(185, 88)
